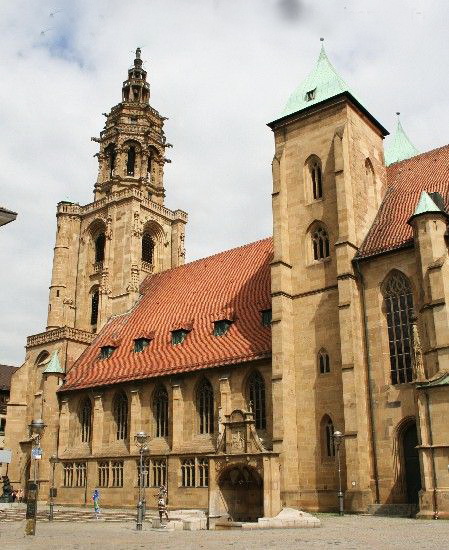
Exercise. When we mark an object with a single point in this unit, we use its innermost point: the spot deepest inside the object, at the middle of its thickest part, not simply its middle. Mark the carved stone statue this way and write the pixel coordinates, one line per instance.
(418, 363)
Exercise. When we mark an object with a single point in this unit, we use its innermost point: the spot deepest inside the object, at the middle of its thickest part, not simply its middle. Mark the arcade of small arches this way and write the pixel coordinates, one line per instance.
(135, 161)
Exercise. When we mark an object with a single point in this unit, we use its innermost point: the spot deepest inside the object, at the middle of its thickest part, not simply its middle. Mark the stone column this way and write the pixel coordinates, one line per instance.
(98, 424)
(64, 426)
(135, 424)
(177, 417)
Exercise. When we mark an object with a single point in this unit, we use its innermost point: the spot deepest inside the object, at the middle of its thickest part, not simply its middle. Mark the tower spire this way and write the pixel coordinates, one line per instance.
(400, 146)
(136, 88)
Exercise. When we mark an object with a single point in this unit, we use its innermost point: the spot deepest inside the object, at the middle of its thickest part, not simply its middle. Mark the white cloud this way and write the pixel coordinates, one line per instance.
(219, 69)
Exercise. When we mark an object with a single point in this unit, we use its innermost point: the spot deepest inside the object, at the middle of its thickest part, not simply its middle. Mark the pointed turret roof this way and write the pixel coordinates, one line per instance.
(400, 147)
(322, 84)
(428, 203)
(54, 365)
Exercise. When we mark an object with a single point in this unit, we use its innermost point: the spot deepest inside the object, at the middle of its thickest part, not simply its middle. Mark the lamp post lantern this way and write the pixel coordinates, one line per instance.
(53, 461)
(141, 439)
(37, 428)
(338, 438)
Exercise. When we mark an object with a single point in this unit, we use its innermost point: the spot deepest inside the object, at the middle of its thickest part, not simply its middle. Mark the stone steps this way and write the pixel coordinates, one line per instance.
(393, 510)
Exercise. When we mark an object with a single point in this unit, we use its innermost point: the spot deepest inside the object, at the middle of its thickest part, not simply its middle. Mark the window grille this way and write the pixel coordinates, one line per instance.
(100, 243)
(221, 327)
(203, 472)
(117, 473)
(94, 307)
(140, 344)
(178, 336)
(121, 416)
(68, 474)
(205, 401)
(159, 466)
(316, 179)
(160, 406)
(147, 248)
(86, 421)
(256, 386)
(103, 474)
(80, 470)
(266, 317)
(131, 161)
(323, 362)
(320, 241)
(329, 443)
(399, 309)
(188, 472)
(106, 352)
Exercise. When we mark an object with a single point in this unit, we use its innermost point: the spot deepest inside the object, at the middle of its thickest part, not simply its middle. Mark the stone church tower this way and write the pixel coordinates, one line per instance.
(103, 252)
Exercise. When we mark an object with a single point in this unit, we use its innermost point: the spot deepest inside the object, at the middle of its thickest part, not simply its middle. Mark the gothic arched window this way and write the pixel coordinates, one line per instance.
(323, 362)
(131, 161)
(399, 310)
(160, 408)
(316, 177)
(95, 298)
(121, 416)
(100, 243)
(205, 404)
(327, 434)
(86, 420)
(147, 248)
(320, 243)
(256, 387)
(111, 156)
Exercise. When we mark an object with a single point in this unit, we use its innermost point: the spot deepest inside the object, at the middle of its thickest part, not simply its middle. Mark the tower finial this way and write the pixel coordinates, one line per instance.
(138, 52)
(321, 39)
(397, 113)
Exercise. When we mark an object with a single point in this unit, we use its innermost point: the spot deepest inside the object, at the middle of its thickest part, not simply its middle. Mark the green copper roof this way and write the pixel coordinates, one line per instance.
(322, 83)
(54, 365)
(442, 380)
(425, 204)
(400, 147)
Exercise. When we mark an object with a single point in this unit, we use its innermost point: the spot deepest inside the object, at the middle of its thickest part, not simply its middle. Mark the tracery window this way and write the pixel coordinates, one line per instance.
(188, 472)
(203, 472)
(95, 298)
(103, 473)
(316, 178)
(328, 437)
(131, 161)
(100, 243)
(80, 470)
(68, 474)
(320, 243)
(160, 407)
(323, 362)
(117, 473)
(111, 156)
(147, 248)
(159, 466)
(86, 421)
(205, 404)
(256, 386)
(399, 310)
(121, 416)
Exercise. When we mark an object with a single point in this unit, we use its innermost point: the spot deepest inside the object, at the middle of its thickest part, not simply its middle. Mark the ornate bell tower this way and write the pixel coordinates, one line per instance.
(105, 249)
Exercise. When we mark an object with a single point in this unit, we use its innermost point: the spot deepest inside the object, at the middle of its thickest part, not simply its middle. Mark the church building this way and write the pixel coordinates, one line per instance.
(241, 366)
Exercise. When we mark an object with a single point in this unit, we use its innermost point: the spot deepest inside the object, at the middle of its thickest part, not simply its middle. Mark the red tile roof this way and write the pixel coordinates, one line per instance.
(406, 180)
(234, 284)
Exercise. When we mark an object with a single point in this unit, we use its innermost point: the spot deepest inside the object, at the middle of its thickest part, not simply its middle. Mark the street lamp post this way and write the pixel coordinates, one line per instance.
(37, 428)
(53, 460)
(141, 439)
(338, 437)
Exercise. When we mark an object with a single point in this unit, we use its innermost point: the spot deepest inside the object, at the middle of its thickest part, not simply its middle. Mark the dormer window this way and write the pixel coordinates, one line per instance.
(140, 344)
(266, 317)
(178, 336)
(106, 351)
(221, 327)
(310, 95)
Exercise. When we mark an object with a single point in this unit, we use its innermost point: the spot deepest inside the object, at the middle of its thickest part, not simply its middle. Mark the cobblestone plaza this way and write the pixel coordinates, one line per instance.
(348, 532)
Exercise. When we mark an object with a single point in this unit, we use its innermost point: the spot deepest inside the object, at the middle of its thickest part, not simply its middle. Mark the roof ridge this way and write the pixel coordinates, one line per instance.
(420, 155)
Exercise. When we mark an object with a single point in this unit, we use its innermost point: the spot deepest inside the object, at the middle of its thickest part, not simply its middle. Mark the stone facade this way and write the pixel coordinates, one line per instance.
(334, 363)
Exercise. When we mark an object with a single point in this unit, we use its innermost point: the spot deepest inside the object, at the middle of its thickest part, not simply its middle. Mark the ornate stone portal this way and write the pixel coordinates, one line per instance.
(244, 477)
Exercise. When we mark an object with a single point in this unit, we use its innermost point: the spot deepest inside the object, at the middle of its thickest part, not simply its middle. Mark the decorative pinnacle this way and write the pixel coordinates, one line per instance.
(321, 39)
(138, 52)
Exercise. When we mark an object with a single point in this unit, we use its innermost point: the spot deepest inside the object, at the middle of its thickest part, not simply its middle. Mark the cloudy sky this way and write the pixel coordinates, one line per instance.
(220, 70)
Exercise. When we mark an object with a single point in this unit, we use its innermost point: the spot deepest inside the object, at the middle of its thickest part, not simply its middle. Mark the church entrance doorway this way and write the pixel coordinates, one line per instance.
(411, 462)
(241, 489)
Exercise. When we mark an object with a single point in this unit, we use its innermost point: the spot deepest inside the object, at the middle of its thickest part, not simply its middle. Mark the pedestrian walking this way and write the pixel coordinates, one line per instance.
(162, 503)
(20, 495)
(96, 499)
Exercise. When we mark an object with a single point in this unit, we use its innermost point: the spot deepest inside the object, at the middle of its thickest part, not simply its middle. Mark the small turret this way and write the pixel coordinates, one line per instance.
(400, 147)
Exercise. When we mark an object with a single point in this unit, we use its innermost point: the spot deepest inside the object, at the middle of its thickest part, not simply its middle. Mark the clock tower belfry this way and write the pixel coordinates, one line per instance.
(106, 248)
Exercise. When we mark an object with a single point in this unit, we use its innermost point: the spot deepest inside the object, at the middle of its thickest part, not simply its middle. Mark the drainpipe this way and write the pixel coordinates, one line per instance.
(432, 452)
(370, 393)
